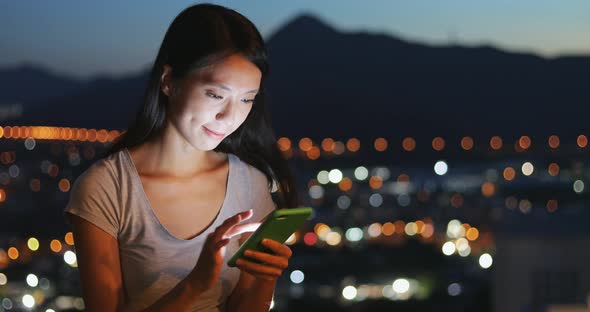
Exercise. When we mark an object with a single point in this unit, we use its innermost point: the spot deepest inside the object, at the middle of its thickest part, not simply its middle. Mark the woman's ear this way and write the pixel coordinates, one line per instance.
(166, 80)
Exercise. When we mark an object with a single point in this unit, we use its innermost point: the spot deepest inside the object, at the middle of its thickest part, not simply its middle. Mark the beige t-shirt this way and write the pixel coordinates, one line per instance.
(110, 195)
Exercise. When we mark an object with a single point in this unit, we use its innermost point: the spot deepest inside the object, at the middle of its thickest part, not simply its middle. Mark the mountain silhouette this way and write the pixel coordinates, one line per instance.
(30, 84)
(357, 83)
(325, 82)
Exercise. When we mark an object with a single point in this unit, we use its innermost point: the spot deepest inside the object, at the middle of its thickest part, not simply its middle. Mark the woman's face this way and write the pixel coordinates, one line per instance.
(211, 104)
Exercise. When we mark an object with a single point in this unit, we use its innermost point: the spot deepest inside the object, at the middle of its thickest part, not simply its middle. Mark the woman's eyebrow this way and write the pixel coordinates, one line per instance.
(224, 87)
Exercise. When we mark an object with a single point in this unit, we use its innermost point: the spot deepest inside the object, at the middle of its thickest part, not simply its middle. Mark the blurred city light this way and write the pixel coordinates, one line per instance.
(401, 285)
(297, 277)
(441, 167)
(485, 260)
(349, 292)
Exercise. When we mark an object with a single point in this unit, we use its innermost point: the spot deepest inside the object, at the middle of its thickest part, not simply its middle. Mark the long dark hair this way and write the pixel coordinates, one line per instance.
(201, 35)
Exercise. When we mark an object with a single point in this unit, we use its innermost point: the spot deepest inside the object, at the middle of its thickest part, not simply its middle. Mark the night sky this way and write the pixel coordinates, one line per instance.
(114, 37)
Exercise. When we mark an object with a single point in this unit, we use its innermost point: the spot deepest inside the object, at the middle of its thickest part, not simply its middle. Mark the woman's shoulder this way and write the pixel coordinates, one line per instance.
(94, 196)
(102, 172)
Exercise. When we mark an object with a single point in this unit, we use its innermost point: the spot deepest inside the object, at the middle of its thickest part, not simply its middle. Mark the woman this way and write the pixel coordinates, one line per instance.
(154, 218)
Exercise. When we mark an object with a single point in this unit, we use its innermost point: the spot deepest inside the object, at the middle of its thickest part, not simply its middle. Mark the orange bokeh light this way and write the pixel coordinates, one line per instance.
(399, 226)
(345, 184)
(438, 144)
(55, 245)
(82, 134)
(313, 153)
(92, 135)
(409, 144)
(7, 132)
(467, 143)
(554, 141)
(509, 173)
(69, 238)
(328, 144)
(102, 136)
(488, 189)
(284, 144)
(64, 185)
(496, 143)
(524, 142)
(553, 169)
(13, 253)
(353, 144)
(305, 144)
(472, 234)
(582, 141)
(16, 132)
(375, 182)
(113, 134)
(420, 225)
(388, 229)
(380, 144)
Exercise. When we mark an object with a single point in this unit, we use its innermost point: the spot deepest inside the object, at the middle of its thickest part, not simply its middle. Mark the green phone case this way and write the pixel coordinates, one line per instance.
(278, 225)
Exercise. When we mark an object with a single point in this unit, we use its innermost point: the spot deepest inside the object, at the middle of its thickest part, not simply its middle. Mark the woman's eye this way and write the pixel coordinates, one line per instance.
(248, 101)
(213, 95)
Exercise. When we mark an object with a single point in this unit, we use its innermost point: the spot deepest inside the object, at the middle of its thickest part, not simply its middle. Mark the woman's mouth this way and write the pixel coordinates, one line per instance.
(212, 133)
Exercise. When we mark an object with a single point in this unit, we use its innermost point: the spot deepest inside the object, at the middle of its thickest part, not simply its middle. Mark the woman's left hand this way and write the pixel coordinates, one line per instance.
(273, 264)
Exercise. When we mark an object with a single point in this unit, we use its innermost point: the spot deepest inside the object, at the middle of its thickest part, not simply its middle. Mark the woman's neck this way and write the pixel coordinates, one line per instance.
(169, 155)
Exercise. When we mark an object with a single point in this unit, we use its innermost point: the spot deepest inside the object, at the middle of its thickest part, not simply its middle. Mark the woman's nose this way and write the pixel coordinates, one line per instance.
(226, 112)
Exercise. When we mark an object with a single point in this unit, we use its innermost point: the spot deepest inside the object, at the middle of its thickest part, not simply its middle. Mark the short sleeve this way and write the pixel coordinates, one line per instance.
(93, 198)
(261, 198)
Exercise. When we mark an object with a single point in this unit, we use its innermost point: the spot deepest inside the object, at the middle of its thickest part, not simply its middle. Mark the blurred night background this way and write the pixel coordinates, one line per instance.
(443, 145)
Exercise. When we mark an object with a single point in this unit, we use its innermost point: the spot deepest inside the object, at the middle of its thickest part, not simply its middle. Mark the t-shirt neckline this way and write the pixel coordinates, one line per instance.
(137, 180)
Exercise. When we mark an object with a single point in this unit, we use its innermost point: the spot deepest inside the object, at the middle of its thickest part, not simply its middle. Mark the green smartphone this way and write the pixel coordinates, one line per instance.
(278, 225)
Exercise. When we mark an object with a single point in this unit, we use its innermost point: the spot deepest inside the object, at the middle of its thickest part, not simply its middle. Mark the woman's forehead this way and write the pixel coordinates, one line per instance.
(229, 75)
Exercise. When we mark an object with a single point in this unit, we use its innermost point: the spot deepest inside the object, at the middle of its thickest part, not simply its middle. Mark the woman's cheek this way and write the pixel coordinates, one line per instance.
(245, 112)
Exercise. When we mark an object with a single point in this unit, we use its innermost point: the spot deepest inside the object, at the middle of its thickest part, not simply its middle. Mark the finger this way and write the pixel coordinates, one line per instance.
(228, 223)
(222, 243)
(277, 248)
(276, 261)
(257, 274)
(241, 228)
(259, 268)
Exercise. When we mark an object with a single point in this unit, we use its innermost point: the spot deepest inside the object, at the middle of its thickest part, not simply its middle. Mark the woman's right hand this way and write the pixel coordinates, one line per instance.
(208, 267)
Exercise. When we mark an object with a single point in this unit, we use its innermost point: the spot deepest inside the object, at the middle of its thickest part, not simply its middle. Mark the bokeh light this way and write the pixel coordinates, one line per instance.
(297, 276)
(438, 144)
(467, 143)
(496, 143)
(485, 260)
(353, 144)
(69, 238)
(33, 243)
(441, 167)
(509, 173)
(409, 144)
(380, 144)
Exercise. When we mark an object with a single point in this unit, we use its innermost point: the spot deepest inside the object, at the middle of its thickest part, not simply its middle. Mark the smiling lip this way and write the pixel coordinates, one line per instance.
(213, 133)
